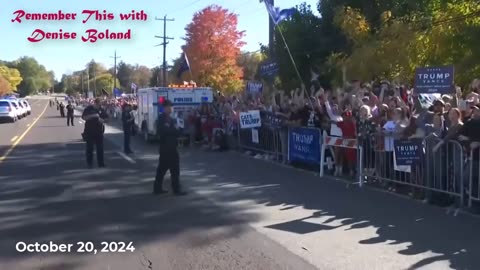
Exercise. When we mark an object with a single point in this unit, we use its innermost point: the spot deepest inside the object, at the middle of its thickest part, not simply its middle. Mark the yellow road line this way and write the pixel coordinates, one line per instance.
(2, 158)
(14, 138)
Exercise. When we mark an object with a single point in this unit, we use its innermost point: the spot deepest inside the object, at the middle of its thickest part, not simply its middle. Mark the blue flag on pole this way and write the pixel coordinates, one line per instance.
(184, 66)
(278, 15)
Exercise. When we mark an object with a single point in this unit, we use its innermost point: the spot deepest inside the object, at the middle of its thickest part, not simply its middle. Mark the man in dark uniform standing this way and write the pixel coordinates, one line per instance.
(70, 113)
(128, 122)
(94, 117)
(169, 158)
(62, 109)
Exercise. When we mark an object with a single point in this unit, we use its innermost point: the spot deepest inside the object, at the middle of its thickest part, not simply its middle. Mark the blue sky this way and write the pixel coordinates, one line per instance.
(66, 56)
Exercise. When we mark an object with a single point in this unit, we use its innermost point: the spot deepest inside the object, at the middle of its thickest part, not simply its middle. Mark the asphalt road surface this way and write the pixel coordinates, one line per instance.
(241, 213)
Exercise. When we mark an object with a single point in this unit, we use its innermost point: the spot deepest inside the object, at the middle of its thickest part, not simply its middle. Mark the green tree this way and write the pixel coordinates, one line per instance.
(155, 79)
(35, 76)
(104, 81)
(95, 68)
(125, 74)
(308, 45)
(141, 76)
(250, 61)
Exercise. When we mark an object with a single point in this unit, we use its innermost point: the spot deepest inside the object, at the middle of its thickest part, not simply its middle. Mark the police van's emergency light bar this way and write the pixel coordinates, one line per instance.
(190, 84)
(161, 101)
(181, 86)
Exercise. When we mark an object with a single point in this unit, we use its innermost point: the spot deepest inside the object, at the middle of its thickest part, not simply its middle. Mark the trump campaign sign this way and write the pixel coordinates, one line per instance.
(408, 151)
(250, 119)
(269, 68)
(254, 87)
(434, 80)
(304, 145)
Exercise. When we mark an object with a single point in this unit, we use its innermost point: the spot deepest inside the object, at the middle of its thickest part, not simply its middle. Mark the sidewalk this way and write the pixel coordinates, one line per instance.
(325, 222)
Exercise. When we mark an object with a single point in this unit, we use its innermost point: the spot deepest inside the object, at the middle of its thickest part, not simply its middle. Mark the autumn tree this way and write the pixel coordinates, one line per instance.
(213, 45)
(4, 86)
(400, 44)
(12, 75)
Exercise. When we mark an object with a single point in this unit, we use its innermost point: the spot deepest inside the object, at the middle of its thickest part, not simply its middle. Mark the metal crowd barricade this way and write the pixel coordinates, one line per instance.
(264, 140)
(439, 171)
(474, 177)
(331, 142)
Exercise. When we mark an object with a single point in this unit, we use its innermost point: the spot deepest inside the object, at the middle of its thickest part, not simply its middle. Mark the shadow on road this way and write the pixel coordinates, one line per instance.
(46, 194)
(396, 220)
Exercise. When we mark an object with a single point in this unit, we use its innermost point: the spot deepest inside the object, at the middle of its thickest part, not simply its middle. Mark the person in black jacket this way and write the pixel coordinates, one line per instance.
(62, 109)
(94, 117)
(169, 158)
(128, 122)
(70, 113)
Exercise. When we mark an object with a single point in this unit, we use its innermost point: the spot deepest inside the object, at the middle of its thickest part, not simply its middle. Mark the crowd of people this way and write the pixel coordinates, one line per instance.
(375, 114)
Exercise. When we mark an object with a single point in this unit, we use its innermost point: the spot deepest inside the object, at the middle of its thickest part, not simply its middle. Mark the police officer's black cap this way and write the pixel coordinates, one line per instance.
(167, 103)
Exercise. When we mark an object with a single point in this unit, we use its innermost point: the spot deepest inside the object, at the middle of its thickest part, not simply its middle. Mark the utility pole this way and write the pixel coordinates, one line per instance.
(88, 82)
(164, 44)
(83, 89)
(95, 82)
(115, 57)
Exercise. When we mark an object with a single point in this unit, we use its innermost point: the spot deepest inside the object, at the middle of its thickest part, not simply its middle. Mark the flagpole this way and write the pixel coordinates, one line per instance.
(288, 50)
(189, 67)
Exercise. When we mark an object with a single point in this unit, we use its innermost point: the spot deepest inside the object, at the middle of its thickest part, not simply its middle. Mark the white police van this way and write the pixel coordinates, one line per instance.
(150, 102)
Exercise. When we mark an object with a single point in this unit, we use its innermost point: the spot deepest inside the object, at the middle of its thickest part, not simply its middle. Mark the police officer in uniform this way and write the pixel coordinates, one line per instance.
(94, 117)
(70, 113)
(169, 158)
(128, 121)
(62, 109)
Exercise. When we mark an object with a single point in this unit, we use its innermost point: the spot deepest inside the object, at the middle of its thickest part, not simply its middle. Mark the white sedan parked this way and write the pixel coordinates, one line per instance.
(8, 111)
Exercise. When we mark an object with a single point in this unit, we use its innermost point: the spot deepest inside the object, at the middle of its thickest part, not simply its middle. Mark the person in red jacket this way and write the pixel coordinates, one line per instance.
(349, 131)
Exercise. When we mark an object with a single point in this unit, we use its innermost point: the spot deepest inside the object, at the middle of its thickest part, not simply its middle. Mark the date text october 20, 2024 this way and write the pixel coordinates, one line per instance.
(91, 35)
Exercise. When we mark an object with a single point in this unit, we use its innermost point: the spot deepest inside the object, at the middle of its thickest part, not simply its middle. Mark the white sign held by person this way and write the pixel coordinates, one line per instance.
(250, 119)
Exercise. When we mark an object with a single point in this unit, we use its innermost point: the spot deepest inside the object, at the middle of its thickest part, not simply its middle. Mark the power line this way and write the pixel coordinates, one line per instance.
(184, 7)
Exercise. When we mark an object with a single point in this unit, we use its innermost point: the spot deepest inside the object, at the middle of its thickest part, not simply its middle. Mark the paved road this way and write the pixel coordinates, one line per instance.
(10, 132)
(47, 194)
(242, 213)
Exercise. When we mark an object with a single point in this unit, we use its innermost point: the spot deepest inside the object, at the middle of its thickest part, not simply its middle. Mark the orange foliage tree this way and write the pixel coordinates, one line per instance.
(213, 45)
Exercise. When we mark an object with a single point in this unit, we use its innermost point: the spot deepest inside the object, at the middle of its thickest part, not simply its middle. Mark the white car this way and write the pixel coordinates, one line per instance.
(26, 105)
(19, 110)
(7, 111)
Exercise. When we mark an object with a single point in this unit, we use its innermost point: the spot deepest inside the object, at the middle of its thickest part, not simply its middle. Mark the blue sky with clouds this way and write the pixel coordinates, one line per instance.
(65, 56)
